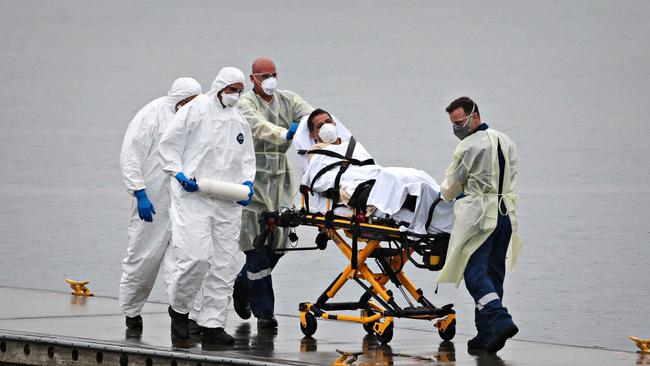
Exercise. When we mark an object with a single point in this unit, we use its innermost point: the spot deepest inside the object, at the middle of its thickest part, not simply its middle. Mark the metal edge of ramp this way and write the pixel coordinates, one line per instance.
(30, 349)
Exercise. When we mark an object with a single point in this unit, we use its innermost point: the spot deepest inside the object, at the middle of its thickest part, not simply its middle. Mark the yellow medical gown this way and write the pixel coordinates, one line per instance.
(475, 171)
(274, 186)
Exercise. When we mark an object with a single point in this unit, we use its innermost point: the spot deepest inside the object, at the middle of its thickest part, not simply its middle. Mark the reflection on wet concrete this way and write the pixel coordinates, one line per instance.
(308, 344)
(132, 333)
(486, 359)
(97, 321)
(644, 359)
(377, 354)
(260, 343)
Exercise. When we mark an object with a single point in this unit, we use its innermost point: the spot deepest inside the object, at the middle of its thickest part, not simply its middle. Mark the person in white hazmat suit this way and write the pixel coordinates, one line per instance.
(208, 139)
(148, 236)
(273, 116)
(481, 178)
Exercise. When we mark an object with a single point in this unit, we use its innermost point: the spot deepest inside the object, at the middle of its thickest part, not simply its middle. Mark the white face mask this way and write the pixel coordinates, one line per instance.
(269, 85)
(327, 133)
(229, 100)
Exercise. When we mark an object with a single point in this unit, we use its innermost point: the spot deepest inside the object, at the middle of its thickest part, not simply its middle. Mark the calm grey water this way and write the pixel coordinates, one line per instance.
(567, 80)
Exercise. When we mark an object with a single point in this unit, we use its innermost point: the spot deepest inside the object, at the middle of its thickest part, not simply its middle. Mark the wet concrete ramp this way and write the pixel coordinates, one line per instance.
(45, 328)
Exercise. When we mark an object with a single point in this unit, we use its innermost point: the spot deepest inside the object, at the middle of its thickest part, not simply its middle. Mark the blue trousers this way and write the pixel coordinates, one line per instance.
(256, 281)
(484, 277)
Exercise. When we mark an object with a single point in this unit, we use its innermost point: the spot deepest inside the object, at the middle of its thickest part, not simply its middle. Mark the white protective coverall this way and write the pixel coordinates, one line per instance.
(475, 171)
(206, 140)
(273, 182)
(141, 169)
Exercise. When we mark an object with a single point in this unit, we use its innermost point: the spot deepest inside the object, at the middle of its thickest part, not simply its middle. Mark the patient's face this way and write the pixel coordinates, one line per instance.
(319, 121)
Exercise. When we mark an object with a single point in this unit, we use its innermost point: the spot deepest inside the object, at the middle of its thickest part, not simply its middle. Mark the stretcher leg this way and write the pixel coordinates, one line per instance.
(377, 305)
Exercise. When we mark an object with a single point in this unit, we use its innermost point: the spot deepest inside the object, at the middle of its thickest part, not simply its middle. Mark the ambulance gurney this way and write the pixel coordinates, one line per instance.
(370, 238)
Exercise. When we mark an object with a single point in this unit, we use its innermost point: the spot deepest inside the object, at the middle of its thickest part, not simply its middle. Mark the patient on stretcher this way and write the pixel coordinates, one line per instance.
(339, 170)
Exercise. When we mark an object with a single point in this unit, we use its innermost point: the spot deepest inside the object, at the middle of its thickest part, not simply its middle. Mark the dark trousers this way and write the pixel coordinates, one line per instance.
(256, 282)
(484, 277)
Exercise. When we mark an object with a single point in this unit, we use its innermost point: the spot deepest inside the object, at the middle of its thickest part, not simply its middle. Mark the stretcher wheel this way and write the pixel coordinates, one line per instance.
(310, 329)
(450, 332)
(369, 326)
(387, 336)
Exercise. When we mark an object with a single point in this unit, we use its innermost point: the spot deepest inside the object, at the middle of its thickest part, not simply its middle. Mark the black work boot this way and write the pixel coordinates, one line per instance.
(215, 337)
(498, 341)
(180, 324)
(240, 300)
(475, 343)
(267, 322)
(134, 323)
(193, 327)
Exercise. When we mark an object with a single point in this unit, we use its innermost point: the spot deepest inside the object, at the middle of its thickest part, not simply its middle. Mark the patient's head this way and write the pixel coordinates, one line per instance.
(317, 119)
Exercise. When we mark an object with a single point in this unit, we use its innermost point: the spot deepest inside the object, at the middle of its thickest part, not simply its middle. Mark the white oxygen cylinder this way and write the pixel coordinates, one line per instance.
(222, 190)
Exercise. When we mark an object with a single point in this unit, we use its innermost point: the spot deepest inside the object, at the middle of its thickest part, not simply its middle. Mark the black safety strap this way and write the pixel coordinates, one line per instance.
(502, 166)
(351, 146)
(344, 160)
(433, 207)
(359, 198)
(325, 169)
(355, 246)
(355, 225)
(329, 167)
(336, 155)
(331, 153)
(346, 163)
(343, 167)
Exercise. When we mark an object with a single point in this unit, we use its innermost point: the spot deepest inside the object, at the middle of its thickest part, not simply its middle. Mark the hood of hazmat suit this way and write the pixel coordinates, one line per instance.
(227, 76)
(475, 171)
(207, 141)
(274, 184)
(141, 169)
(139, 157)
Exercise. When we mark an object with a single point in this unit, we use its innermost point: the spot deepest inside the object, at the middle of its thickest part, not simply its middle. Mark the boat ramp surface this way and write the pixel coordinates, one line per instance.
(41, 327)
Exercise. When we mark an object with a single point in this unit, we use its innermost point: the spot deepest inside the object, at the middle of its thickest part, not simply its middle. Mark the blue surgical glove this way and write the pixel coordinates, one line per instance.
(251, 192)
(292, 130)
(188, 184)
(145, 207)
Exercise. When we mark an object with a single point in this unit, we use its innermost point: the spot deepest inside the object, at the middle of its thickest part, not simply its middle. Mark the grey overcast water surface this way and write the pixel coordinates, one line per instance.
(568, 81)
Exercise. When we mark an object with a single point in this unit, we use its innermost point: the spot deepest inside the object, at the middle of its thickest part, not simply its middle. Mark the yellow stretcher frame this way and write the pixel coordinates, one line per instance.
(378, 316)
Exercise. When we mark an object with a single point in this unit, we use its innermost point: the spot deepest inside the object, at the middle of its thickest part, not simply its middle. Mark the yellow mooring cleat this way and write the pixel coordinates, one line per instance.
(79, 287)
(643, 344)
(346, 358)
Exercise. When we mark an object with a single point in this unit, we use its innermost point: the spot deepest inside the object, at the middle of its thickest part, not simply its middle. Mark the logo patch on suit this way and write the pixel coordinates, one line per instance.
(240, 138)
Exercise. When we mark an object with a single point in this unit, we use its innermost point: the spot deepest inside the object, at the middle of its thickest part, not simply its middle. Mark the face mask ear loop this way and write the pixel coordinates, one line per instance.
(470, 116)
(469, 119)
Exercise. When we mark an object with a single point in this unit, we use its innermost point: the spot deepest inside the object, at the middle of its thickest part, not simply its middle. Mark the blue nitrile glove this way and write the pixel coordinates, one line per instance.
(292, 130)
(145, 207)
(187, 184)
(251, 192)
